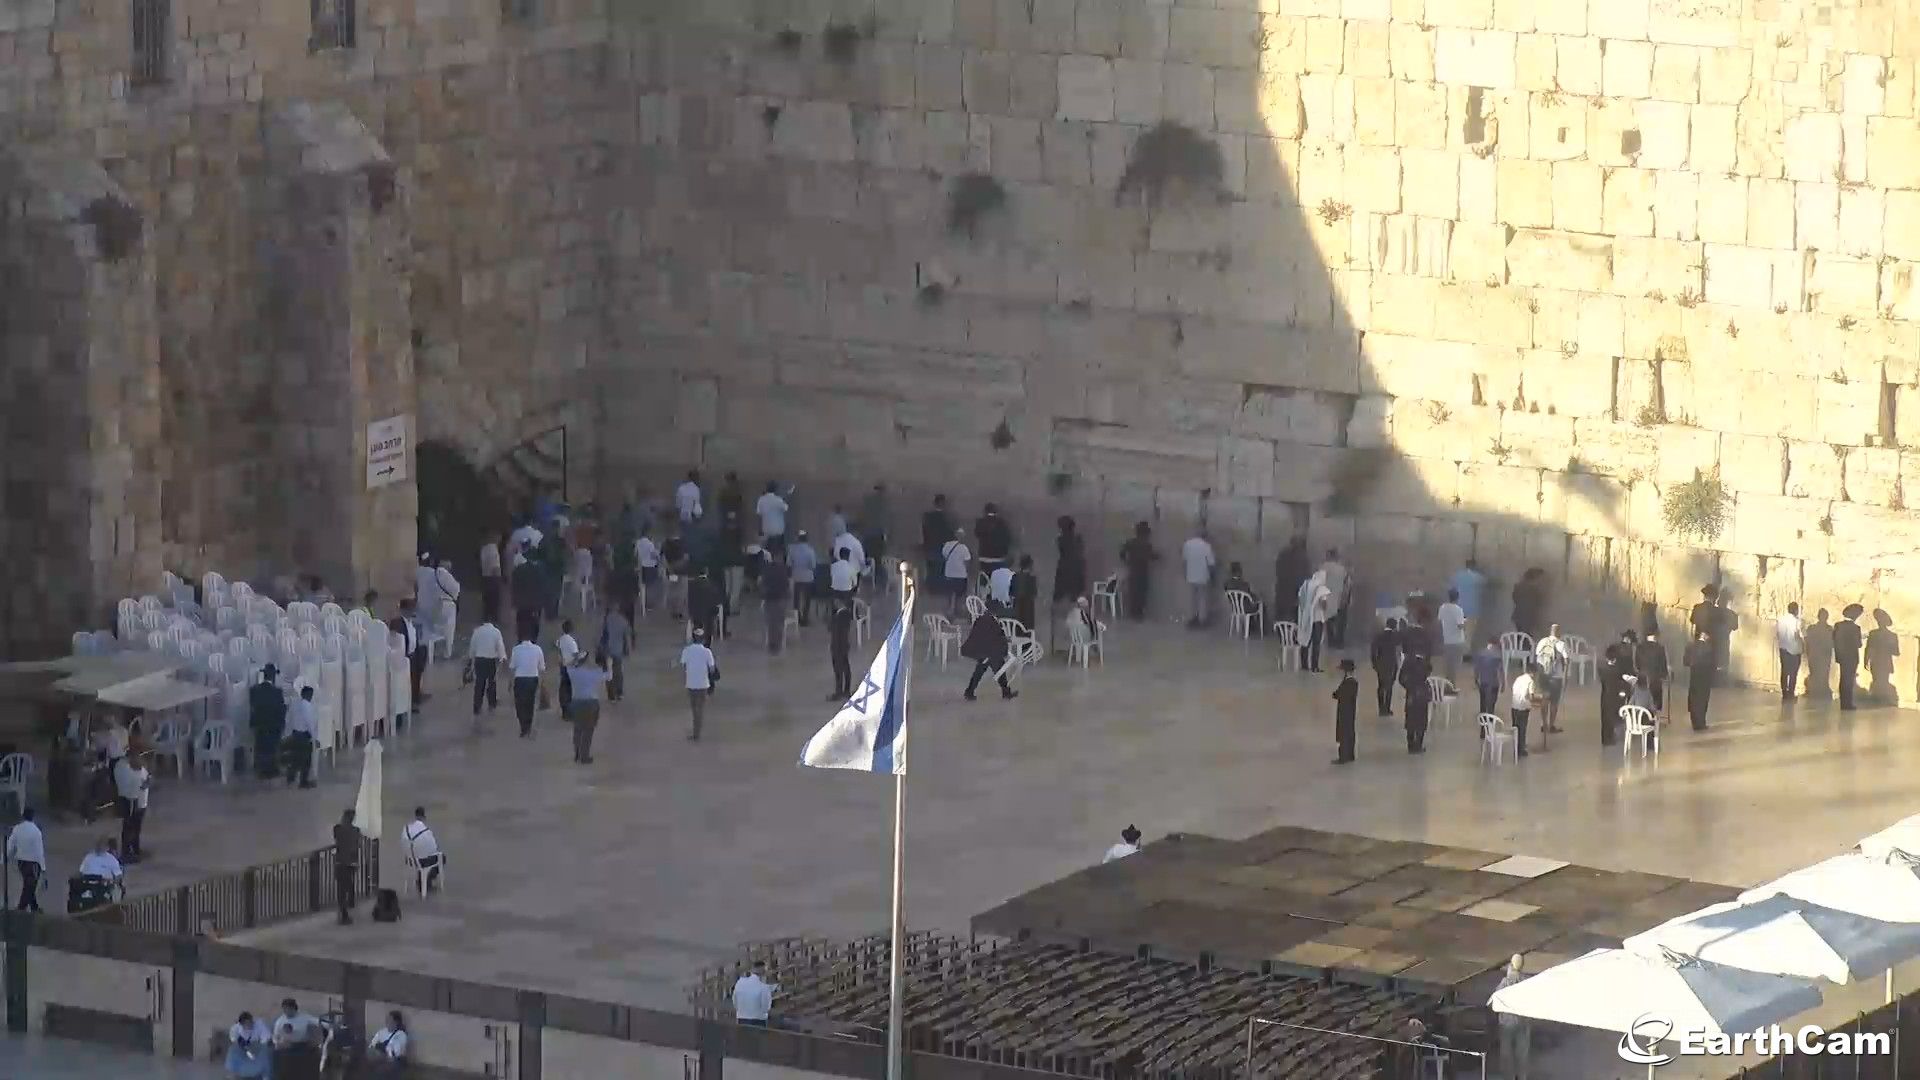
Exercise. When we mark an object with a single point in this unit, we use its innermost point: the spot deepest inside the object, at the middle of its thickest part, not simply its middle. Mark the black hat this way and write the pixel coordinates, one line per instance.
(269, 670)
(1131, 834)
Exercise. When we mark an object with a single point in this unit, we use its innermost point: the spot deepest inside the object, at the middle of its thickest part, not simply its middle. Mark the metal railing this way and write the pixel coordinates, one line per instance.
(275, 892)
(1407, 1061)
(152, 36)
(334, 24)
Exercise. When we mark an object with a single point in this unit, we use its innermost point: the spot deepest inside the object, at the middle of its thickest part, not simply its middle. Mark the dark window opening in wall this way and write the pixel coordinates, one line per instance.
(333, 24)
(517, 11)
(152, 33)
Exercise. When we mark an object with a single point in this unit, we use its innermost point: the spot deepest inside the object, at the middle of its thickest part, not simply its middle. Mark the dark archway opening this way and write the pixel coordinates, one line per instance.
(459, 507)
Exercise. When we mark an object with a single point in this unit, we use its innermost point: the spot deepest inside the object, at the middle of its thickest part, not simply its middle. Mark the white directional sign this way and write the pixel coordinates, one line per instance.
(386, 452)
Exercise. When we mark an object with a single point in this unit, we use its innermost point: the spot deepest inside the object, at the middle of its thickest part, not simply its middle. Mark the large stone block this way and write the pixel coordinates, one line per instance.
(1777, 527)
(1610, 448)
(1669, 267)
(1628, 202)
(1666, 134)
(1813, 147)
(1478, 252)
(1557, 124)
(1431, 183)
(1738, 276)
(1844, 284)
(1560, 260)
(1685, 452)
(1405, 244)
(1373, 180)
(1676, 73)
(1578, 197)
(1475, 58)
(1873, 476)
(1086, 88)
(1872, 534)
(1770, 214)
(1893, 152)
(1212, 38)
(1847, 413)
(1753, 463)
(1441, 430)
(1814, 470)
(1420, 115)
(1580, 65)
(1526, 193)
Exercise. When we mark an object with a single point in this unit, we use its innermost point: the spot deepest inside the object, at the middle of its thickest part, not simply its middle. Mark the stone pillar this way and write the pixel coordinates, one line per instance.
(79, 402)
(339, 324)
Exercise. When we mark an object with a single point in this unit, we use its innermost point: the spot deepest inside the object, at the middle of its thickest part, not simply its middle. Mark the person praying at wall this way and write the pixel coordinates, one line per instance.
(1385, 657)
(1882, 646)
(1138, 556)
(1819, 655)
(1070, 569)
(1290, 568)
(1846, 650)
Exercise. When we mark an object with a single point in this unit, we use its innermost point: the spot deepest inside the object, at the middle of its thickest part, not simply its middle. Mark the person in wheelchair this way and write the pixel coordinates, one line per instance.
(99, 881)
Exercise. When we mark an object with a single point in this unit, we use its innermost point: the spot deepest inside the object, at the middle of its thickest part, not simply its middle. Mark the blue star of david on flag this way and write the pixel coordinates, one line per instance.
(869, 733)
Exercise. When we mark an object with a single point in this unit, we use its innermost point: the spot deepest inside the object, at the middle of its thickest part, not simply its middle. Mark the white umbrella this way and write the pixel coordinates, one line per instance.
(1880, 888)
(1902, 835)
(1785, 935)
(1618, 990)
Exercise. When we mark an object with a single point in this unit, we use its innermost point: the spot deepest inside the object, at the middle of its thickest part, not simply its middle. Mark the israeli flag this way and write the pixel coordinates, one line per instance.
(869, 732)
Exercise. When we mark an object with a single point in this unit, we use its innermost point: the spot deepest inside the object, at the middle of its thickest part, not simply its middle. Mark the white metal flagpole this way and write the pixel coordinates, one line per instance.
(897, 956)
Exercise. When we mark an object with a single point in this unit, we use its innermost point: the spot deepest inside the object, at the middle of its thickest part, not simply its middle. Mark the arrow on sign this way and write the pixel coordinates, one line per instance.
(388, 471)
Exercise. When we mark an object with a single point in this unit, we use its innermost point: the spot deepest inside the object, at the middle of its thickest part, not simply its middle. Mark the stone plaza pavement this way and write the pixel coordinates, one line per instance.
(618, 880)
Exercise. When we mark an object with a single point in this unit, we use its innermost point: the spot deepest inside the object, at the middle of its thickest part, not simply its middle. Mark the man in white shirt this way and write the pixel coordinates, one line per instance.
(1129, 845)
(1554, 658)
(132, 785)
(296, 1036)
(100, 862)
(1791, 637)
(27, 851)
(772, 511)
(1453, 634)
(856, 551)
(486, 649)
(753, 996)
(303, 734)
(954, 557)
(569, 649)
(1515, 1030)
(1526, 697)
(1339, 581)
(1197, 557)
(646, 555)
(686, 498)
(801, 562)
(423, 846)
(1000, 589)
(526, 662)
(843, 577)
(702, 672)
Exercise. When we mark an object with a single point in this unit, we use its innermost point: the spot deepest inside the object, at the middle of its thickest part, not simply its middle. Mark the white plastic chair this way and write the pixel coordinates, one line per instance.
(1014, 629)
(16, 772)
(331, 610)
(213, 748)
(1639, 722)
(1515, 647)
(170, 738)
(1496, 737)
(1020, 653)
(127, 606)
(1248, 615)
(1444, 695)
(420, 874)
(355, 692)
(942, 635)
(1107, 592)
(1083, 642)
(1288, 635)
(399, 683)
(1580, 659)
(862, 621)
(975, 606)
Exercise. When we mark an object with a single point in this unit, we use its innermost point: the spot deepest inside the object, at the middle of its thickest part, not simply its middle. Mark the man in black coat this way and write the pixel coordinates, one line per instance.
(1413, 676)
(346, 864)
(1846, 652)
(528, 583)
(1650, 664)
(840, 645)
(1700, 670)
(267, 715)
(986, 646)
(995, 539)
(936, 528)
(703, 603)
(1345, 701)
(1290, 570)
(1386, 664)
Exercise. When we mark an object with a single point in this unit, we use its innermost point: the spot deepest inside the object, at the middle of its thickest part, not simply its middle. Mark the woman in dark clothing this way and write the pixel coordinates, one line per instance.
(986, 646)
(1026, 589)
(1138, 556)
(1613, 694)
(1070, 573)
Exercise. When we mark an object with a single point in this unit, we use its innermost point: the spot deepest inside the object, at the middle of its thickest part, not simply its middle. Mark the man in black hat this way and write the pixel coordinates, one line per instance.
(1346, 699)
(1846, 652)
(267, 715)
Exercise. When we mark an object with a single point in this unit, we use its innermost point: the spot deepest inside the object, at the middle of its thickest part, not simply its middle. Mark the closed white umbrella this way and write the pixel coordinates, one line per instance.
(1785, 935)
(1902, 835)
(1619, 990)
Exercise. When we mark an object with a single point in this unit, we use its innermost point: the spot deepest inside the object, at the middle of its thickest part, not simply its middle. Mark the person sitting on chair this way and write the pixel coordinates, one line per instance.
(424, 847)
(387, 1053)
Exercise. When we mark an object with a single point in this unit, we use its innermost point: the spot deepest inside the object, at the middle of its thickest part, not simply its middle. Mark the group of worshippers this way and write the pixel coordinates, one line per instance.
(1821, 646)
(290, 1048)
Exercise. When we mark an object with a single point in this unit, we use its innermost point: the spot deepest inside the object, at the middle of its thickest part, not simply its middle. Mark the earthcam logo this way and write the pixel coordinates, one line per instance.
(1640, 1043)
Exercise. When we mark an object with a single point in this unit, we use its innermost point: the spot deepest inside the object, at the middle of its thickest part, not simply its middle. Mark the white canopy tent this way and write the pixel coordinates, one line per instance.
(1886, 888)
(1615, 989)
(1785, 935)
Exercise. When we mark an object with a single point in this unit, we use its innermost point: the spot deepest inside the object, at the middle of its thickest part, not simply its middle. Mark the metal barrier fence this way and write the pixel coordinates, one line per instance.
(291, 888)
(1403, 1060)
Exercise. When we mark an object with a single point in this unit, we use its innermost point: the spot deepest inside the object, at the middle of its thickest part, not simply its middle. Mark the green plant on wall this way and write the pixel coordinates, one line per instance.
(1171, 158)
(1698, 508)
(974, 196)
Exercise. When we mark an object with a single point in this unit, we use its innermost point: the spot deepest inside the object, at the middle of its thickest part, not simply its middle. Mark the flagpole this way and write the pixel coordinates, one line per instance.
(896, 957)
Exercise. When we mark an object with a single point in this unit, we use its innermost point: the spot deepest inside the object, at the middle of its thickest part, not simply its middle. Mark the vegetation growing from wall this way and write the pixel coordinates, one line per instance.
(1697, 508)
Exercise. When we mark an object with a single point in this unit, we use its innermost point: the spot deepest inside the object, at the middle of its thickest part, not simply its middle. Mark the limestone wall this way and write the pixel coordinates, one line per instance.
(494, 129)
(1555, 256)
